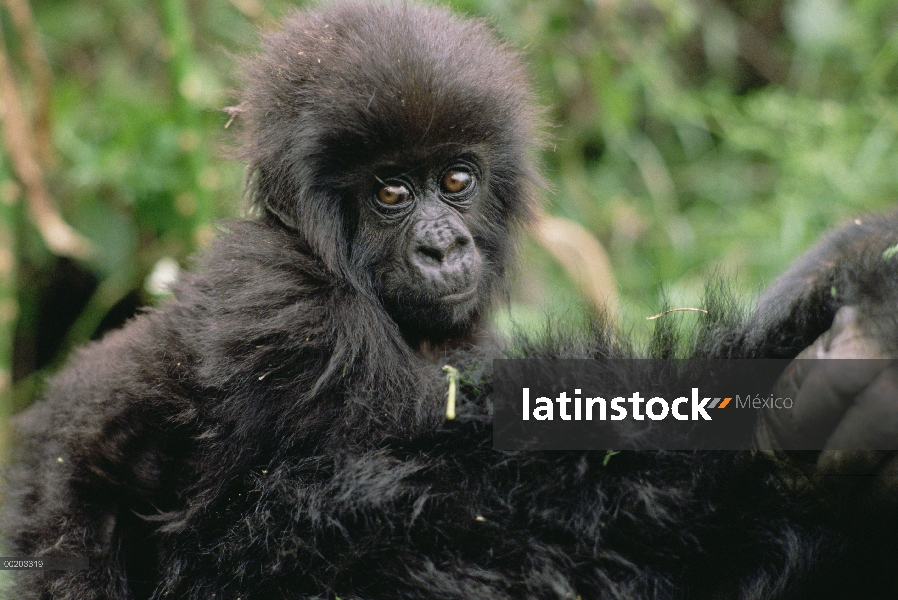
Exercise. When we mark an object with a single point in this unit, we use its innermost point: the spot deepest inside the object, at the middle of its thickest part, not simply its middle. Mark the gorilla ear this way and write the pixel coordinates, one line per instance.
(321, 224)
(314, 216)
(281, 175)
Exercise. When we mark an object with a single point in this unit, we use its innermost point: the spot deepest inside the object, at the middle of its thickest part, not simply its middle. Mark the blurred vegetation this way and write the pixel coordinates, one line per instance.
(689, 136)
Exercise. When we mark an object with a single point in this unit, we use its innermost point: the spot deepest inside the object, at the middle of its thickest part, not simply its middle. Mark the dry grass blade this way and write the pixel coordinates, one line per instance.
(18, 134)
(583, 257)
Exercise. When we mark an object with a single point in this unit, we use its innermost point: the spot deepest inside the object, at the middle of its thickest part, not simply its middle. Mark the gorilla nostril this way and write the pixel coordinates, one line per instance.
(458, 249)
(430, 255)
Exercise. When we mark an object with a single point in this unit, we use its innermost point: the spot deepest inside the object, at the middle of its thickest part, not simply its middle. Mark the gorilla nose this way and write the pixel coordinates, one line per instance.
(437, 253)
(446, 258)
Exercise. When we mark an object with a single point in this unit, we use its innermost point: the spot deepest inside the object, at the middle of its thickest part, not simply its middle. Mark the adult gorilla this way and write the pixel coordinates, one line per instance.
(277, 430)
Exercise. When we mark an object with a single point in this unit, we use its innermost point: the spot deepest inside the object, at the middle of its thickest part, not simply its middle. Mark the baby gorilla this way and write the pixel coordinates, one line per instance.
(390, 159)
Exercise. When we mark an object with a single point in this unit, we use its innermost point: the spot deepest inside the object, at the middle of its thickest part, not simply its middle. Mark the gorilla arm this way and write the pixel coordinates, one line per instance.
(845, 383)
(854, 265)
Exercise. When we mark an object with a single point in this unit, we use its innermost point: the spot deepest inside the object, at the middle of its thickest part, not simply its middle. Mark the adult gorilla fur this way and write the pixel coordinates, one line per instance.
(277, 430)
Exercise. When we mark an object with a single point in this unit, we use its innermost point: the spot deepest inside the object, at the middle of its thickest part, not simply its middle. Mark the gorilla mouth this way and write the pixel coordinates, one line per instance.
(459, 297)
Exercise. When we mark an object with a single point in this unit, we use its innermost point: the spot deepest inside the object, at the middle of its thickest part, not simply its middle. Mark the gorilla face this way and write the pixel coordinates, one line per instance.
(428, 269)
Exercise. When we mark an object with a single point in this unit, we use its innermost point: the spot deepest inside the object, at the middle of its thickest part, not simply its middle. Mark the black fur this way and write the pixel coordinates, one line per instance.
(353, 96)
(277, 432)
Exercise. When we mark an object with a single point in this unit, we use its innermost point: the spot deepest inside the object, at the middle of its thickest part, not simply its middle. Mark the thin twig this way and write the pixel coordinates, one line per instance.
(666, 312)
(452, 378)
(233, 112)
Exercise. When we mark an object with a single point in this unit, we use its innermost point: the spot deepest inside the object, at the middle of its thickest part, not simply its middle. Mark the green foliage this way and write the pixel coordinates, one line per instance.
(690, 137)
(694, 137)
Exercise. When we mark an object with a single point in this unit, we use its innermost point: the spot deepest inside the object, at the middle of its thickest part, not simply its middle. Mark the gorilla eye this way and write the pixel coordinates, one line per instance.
(393, 194)
(456, 181)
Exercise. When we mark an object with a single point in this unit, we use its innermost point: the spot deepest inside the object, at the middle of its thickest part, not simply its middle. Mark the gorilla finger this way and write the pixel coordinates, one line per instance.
(871, 423)
(823, 392)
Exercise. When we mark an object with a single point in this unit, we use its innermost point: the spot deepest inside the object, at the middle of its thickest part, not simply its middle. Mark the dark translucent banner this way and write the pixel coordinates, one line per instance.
(695, 404)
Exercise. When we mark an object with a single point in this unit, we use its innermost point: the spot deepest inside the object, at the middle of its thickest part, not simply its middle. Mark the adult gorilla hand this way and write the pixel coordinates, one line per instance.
(845, 391)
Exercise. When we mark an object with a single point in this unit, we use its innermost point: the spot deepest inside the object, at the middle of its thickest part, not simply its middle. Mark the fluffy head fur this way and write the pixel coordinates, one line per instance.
(341, 90)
